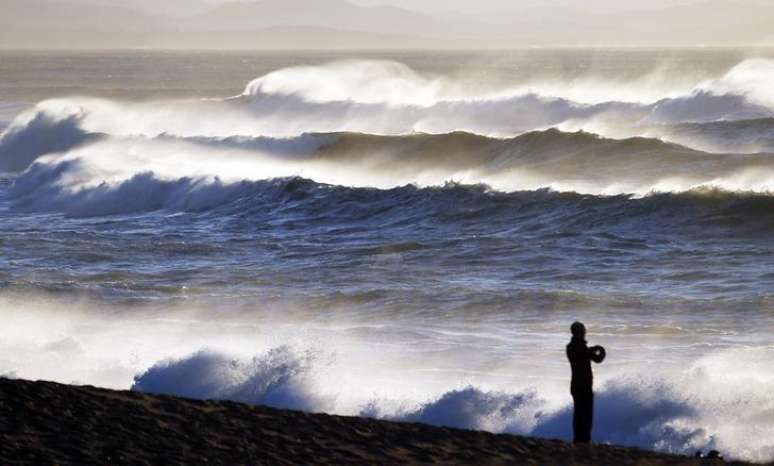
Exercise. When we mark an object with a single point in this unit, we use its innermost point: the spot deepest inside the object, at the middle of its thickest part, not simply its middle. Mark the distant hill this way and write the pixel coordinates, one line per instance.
(342, 24)
(267, 24)
(336, 14)
(29, 17)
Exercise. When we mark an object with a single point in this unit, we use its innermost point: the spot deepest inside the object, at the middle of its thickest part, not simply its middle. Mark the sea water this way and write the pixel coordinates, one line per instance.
(405, 235)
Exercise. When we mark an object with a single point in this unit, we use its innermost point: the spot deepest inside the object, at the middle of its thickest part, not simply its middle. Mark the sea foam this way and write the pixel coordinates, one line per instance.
(688, 411)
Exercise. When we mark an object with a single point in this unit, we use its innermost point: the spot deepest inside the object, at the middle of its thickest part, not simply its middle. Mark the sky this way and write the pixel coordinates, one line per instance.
(468, 6)
(477, 8)
(349, 24)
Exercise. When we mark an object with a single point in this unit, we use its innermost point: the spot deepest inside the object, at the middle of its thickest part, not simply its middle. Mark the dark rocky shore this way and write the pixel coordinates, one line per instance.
(48, 423)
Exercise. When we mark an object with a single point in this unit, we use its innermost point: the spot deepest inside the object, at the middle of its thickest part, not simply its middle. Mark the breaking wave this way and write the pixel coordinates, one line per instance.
(695, 410)
(388, 98)
(383, 125)
(137, 174)
(276, 379)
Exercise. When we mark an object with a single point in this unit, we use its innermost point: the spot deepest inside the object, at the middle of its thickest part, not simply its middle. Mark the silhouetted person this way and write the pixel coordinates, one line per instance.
(582, 385)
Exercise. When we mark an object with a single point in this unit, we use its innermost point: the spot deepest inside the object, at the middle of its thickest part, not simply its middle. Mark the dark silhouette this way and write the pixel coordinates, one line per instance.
(582, 385)
(712, 455)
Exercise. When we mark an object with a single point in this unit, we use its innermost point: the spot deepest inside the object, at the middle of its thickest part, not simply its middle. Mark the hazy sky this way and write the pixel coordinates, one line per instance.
(481, 7)
(462, 6)
(422, 23)
(468, 6)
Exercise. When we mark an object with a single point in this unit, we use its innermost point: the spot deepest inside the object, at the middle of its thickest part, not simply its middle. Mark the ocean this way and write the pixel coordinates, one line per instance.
(404, 235)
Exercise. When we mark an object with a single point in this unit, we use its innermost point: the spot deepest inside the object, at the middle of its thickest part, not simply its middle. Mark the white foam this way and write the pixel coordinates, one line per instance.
(278, 379)
(704, 395)
(381, 97)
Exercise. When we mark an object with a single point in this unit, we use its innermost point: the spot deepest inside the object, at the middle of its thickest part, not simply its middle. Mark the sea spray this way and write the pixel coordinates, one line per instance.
(678, 413)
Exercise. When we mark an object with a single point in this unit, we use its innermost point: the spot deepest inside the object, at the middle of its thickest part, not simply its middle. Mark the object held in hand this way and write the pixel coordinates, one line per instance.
(599, 352)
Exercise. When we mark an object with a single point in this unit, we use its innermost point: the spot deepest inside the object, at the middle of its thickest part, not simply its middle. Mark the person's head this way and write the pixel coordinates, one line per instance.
(578, 330)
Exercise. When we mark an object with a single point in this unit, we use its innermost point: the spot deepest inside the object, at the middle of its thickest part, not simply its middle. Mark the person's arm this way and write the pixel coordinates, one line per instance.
(597, 354)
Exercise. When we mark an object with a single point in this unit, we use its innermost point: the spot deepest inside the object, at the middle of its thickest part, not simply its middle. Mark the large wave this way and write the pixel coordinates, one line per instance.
(380, 97)
(138, 174)
(355, 124)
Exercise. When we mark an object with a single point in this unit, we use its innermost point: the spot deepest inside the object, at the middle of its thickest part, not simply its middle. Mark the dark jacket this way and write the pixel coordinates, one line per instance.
(580, 357)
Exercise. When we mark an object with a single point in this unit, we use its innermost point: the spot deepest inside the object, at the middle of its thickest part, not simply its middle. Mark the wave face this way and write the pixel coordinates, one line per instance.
(362, 237)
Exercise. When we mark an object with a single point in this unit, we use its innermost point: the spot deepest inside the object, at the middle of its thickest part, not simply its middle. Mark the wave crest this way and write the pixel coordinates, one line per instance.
(277, 379)
(389, 98)
(136, 174)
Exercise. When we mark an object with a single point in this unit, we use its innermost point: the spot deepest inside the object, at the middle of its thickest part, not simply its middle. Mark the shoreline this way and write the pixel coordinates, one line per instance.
(46, 422)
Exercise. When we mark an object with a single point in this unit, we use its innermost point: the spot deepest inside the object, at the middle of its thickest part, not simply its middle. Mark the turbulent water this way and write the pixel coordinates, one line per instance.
(405, 236)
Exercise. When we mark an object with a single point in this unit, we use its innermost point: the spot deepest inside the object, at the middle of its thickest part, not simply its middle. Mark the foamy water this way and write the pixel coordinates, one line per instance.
(389, 237)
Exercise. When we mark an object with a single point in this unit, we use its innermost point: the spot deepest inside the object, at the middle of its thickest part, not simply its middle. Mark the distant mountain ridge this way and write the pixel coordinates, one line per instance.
(331, 23)
(317, 13)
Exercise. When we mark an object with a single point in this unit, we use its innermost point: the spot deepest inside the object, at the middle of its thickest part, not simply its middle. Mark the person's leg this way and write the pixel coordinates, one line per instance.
(582, 417)
(576, 417)
(589, 415)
